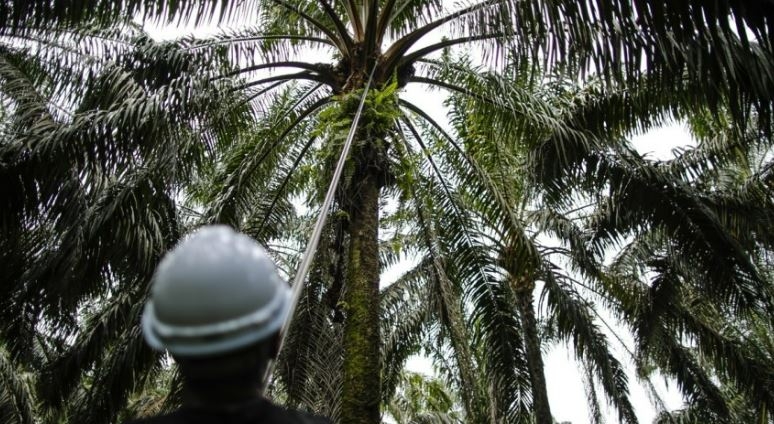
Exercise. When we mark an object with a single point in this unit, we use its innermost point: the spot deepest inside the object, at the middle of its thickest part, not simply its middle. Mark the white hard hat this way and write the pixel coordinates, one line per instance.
(216, 292)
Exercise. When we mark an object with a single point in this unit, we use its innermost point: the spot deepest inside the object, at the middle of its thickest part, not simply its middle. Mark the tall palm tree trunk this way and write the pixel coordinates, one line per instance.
(361, 387)
(525, 303)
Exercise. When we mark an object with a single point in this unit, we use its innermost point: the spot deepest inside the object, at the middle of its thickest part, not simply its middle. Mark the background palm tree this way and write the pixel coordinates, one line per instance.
(726, 253)
(18, 399)
(691, 54)
(493, 240)
(91, 202)
(692, 239)
(422, 400)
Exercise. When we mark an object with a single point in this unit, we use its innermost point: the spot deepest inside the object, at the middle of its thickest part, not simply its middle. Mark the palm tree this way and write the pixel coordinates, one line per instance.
(755, 339)
(362, 38)
(422, 400)
(708, 240)
(18, 401)
(91, 202)
(508, 224)
(694, 238)
(360, 51)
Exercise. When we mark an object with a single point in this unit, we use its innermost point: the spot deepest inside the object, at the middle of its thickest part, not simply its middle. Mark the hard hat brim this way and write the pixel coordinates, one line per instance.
(218, 338)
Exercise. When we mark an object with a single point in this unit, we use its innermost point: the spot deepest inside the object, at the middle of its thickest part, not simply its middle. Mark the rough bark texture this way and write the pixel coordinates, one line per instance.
(361, 390)
(534, 356)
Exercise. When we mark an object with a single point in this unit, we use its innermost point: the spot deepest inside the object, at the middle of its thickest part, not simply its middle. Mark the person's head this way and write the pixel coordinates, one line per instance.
(217, 304)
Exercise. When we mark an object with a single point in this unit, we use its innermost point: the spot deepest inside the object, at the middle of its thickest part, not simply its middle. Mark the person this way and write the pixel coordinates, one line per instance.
(217, 305)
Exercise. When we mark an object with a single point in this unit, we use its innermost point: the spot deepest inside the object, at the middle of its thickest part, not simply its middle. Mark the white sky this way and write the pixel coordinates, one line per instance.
(565, 387)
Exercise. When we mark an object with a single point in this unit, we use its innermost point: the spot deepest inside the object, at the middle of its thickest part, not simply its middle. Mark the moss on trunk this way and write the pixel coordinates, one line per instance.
(361, 391)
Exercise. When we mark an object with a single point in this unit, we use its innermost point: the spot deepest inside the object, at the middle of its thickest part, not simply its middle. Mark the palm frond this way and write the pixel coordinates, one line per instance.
(18, 400)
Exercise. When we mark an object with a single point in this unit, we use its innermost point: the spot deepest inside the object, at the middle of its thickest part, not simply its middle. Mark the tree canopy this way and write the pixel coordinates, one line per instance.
(115, 145)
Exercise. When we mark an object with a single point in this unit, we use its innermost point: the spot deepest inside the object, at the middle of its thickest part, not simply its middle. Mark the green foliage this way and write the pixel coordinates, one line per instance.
(422, 399)
(114, 146)
(380, 112)
(18, 398)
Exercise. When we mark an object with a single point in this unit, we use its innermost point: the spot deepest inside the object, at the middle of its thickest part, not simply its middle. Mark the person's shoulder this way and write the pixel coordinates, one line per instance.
(265, 412)
(172, 418)
(280, 414)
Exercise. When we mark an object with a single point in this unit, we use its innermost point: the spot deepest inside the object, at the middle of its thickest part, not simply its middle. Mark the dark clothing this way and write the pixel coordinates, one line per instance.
(258, 412)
